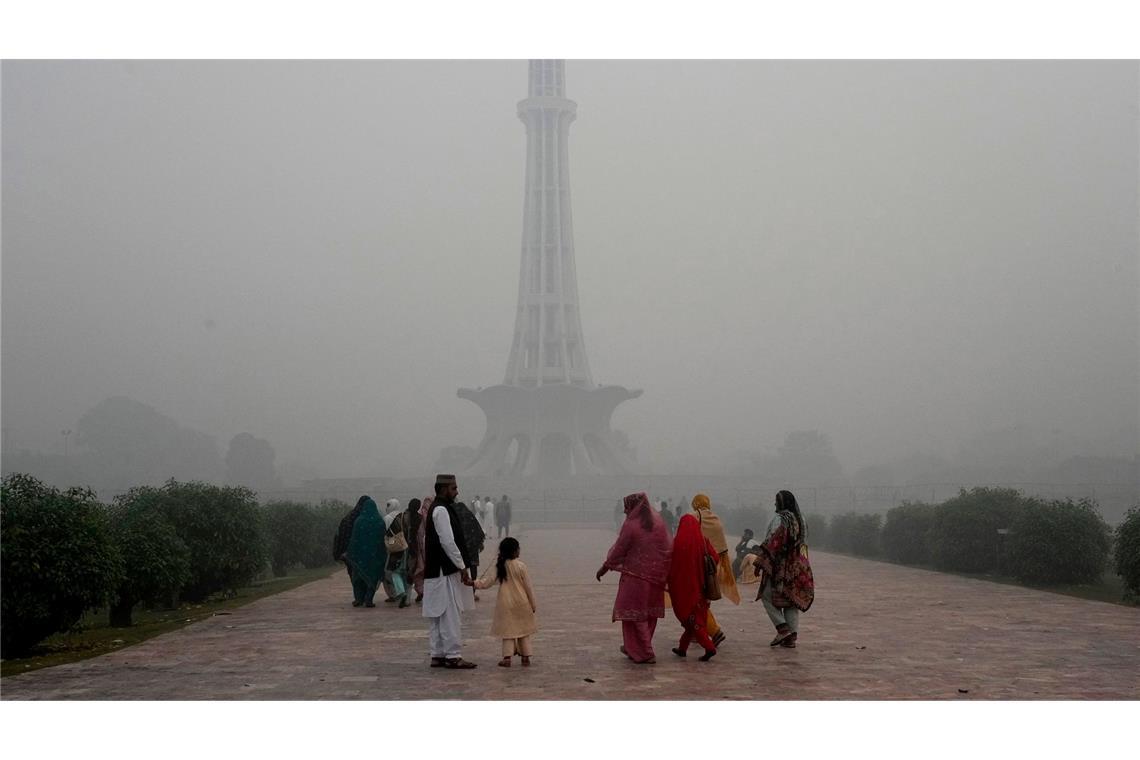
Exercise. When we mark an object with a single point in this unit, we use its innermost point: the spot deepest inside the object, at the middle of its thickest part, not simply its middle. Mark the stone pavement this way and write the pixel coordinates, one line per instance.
(876, 631)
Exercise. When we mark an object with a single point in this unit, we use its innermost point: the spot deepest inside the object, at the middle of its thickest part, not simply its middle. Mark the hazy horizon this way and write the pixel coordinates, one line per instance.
(902, 255)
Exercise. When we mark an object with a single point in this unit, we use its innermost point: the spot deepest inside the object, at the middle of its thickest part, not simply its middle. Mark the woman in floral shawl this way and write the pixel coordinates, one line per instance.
(366, 554)
(687, 585)
(713, 530)
(788, 586)
(641, 555)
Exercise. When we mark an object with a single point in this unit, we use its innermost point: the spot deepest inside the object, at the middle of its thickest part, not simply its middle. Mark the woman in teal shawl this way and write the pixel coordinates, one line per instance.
(366, 554)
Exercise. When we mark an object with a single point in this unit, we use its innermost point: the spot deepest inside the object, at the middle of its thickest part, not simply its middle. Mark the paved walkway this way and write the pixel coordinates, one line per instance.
(876, 631)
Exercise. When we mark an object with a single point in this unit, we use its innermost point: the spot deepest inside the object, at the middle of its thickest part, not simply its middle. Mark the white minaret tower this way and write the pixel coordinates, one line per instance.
(547, 346)
(548, 419)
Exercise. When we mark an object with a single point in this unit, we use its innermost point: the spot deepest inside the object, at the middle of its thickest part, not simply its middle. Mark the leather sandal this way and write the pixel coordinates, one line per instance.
(789, 641)
(780, 636)
(458, 663)
(437, 662)
(505, 662)
(526, 661)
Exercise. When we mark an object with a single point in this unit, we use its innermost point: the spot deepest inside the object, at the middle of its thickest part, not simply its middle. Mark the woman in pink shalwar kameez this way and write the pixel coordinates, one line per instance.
(641, 554)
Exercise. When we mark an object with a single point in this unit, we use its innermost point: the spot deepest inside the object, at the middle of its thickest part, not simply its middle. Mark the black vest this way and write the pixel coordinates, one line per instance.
(436, 561)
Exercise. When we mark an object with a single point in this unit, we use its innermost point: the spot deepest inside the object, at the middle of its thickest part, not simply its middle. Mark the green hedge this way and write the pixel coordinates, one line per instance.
(327, 517)
(905, 533)
(290, 532)
(1127, 551)
(963, 534)
(817, 532)
(221, 527)
(1058, 542)
(57, 559)
(156, 561)
(855, 533)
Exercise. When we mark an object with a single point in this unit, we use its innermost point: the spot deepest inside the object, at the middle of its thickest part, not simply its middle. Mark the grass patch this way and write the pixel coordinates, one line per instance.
(94, 636)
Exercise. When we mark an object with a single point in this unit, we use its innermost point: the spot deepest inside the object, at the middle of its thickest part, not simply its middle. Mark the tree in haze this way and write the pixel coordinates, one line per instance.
(125, 443)
(805, 457)
(249, 462)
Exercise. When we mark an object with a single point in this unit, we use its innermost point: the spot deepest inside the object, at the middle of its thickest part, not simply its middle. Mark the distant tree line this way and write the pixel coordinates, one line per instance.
(998, 531)
(63, 552)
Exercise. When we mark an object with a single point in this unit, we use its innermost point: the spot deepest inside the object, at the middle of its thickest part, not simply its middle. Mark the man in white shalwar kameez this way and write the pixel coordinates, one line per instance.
(445, 572)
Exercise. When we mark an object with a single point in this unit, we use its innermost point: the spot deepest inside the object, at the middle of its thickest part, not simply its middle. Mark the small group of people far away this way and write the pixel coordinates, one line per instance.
(433, 548)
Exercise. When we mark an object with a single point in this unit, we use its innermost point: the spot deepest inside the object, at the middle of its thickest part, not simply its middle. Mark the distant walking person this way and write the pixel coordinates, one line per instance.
(514, 607)
(713, 530)
(344, 533)
(503, 516)
(415, 542)
(787, 587)
(366, 555)
(667, 517)
(641, 555)
(691, 550)
(396, 573)
(445, 573)
(391, 512)
(472, 539)
(487, 516)
(418, 573)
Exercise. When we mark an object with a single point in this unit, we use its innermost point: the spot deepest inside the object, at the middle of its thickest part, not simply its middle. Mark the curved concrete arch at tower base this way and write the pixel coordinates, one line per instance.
(552, 431)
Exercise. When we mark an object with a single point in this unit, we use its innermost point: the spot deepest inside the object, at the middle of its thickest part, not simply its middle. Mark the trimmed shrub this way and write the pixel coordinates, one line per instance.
(1127, 551)
(327, 517)
(963, 535)
(1058, 542)
(221, 527)
(854, 533)
(290, 529)
(156, 562)
(57, 559)
(904, 536)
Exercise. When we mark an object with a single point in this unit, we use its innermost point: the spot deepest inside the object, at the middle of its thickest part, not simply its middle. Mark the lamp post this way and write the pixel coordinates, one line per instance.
(65, 434)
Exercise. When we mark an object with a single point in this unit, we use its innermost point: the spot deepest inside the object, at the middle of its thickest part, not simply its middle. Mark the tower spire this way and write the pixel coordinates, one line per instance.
(547, 346)
(548, 419)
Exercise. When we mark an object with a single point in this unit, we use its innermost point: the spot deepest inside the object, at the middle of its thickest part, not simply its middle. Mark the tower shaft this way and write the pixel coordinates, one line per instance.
(547, 346)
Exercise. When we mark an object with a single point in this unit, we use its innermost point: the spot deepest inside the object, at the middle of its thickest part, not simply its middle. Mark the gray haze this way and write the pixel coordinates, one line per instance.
(905, 256)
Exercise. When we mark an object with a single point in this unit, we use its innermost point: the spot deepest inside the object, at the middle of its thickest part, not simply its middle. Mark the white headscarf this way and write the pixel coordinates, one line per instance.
(391, 511)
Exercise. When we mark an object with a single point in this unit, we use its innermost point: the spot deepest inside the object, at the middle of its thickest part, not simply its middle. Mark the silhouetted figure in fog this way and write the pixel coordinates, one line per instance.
(503, 516)
(667, 517)
(472, 540)
(344, 532)
(421, 556)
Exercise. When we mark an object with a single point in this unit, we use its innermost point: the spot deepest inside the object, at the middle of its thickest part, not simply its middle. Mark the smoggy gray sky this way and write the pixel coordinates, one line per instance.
(900, 254)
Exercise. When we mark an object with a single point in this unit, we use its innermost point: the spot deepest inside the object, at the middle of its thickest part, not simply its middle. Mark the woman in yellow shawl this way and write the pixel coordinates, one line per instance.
(713, 530)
